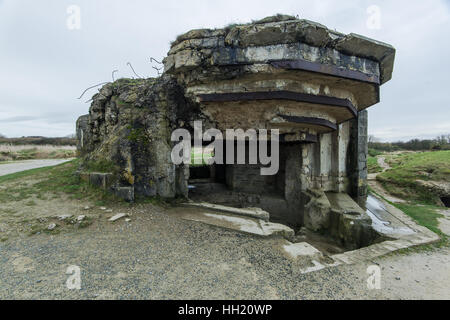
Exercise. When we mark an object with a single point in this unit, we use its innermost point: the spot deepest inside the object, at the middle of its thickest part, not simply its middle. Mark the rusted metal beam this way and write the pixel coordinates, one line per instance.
(280, 95)
(325, 69)
(311, 121)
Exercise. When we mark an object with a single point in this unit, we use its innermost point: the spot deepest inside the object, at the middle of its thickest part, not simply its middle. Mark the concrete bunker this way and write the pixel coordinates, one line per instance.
(310, 83)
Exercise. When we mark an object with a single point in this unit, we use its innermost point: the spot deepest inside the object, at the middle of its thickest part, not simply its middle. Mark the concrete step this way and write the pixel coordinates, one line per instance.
(233, 222)
(343, 203)
(257, 213)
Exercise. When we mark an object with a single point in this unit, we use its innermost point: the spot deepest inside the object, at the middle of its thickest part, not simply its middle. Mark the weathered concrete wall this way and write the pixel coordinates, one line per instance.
(281, 194)
(325, 162)
(248, 178)
(129, 128)
(279, 38)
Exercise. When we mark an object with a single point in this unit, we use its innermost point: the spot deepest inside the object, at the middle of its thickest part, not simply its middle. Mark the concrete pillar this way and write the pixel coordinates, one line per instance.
(340, 142)
(323, 163)
(294, 177)
(293, 172)
(182, 181)
(357, 161)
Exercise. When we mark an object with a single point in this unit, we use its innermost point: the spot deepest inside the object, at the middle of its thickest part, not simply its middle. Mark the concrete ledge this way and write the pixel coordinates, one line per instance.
(421, 236)
(125, 193)
(343, 203)
(105, 181)
(98, 179)
(246, 212)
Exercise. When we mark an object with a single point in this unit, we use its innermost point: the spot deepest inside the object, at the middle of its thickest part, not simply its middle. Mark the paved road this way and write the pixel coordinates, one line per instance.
(19, 166)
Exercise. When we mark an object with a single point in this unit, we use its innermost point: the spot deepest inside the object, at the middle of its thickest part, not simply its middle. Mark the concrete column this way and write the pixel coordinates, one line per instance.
(182, 181)
(339, 157)
(323, 163)
(357, 162)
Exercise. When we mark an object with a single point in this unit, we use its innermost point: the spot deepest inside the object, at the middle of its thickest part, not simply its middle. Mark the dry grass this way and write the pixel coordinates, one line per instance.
(10, 152)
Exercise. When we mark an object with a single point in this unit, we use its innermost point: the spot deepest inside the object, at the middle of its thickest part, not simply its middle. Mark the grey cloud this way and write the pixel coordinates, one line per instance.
(18, 119)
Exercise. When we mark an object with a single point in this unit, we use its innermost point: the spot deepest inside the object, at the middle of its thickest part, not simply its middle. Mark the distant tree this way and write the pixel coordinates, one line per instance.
(442, 140)
(373, 139)
(436, 148)
(440, 143)
(2, 136)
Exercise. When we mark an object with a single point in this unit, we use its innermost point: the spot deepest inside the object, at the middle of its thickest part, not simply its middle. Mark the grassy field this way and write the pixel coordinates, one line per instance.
(372, 165)
(425, 215)
(407, 168)
(400, 181)
(29, 200)
(372, 161)
(27, 152)
(56, 181)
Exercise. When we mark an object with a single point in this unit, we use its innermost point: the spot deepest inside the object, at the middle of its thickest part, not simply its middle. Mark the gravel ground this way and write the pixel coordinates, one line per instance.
(17, 166)
(158, 256)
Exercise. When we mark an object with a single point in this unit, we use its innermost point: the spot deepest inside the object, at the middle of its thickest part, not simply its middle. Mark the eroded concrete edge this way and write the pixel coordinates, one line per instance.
(421, 237)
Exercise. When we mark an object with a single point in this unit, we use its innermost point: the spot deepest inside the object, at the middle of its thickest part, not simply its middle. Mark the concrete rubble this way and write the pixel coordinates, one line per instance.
(118, 217)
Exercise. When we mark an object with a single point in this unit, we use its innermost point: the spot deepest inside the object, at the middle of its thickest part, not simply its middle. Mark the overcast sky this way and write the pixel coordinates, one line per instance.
(45, 66)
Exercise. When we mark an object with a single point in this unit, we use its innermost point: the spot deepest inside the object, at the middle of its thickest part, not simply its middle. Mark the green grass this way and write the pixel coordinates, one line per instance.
(58, 180)
(372, 165)
(22, 174)
(424, 215)
(374, 153)
(407, 168)
(198, 155)
(103, 165)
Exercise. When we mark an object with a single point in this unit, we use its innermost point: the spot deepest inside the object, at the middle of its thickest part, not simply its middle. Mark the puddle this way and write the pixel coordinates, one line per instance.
(379, 214)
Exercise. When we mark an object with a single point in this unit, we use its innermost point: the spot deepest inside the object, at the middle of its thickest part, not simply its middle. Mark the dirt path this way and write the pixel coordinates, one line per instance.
(382, 163)
(377, 187)
(18, 166)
